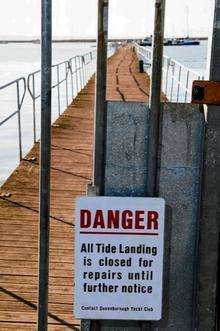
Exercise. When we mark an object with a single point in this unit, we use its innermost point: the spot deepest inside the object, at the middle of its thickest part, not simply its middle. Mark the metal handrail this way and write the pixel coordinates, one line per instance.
(20, 95)
(72, 74)
(78, 69)
(176, 77)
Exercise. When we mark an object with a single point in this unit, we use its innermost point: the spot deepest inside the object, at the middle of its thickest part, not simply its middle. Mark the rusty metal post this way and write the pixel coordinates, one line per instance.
(155, 93)
(154, 104)
(208, 268)
(100, 98)
(45, 147)
(97, 187)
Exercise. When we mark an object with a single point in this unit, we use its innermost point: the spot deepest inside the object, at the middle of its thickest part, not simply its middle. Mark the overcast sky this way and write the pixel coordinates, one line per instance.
(128, 18)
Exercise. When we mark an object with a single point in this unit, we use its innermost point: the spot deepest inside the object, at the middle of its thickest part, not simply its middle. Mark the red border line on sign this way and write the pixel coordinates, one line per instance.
(121, 233)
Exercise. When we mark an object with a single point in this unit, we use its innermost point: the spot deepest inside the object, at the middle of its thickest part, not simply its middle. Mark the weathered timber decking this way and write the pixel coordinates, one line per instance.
(71, 171)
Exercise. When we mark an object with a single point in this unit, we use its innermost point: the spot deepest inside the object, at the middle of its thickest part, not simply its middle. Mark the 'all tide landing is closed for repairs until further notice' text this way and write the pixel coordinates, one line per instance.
(119, 258)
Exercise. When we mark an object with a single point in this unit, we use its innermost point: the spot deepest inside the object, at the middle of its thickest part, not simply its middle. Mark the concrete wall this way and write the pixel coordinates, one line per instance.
(127, 140)
(182, 131)
(180, 184)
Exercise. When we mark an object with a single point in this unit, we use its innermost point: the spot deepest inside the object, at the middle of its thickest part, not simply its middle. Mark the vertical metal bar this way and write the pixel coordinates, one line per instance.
(172, 81)
(45, 161)
(87, 71)
(155, 93)
(58, 88)
(167, 75)
(19, 121)
(208, 281)
(71, 73)
(80, 72)
(178, 88)
(66, 81)
(93, 64)
(187, 85)
(76, 73)
(34, 108)
(100, 98)
(84, 70)
(163, 76)
(90, 67)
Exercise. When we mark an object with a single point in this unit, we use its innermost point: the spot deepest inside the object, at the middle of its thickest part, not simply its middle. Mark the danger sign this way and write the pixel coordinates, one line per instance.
(119, 258)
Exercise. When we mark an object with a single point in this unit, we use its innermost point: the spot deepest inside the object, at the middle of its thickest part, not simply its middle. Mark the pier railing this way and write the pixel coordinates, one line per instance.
(19, 87)
(68, 78)
(177, 78)
(20, 127)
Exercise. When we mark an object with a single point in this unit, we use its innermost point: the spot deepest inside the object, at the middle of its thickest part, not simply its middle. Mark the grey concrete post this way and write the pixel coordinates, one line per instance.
(100, 98)
(155, 92)
(45, 152)
(126, 169)
(210, 210)
(180, 160)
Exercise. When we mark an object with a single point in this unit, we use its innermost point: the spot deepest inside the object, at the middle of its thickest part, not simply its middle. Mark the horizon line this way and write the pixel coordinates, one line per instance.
(66, 39)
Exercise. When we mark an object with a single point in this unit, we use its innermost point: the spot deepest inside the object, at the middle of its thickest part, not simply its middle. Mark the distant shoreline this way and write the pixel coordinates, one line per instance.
(37, 41)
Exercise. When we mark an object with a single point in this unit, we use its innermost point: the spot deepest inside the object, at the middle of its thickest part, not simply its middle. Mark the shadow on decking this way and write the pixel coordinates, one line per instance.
(34, 307)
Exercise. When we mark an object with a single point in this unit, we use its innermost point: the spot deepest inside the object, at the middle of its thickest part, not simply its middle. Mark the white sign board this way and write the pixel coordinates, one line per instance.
(119, 258)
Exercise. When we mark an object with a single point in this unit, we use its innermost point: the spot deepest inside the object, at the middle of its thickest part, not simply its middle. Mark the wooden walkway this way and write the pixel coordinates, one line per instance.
(72, 137)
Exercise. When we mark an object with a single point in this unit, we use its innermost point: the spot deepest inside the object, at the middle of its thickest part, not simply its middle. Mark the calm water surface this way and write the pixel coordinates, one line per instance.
(193, 57)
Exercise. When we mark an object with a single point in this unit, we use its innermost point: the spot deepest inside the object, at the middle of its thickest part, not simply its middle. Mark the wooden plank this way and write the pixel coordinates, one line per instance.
(32, 298)
(17, 279)
(31, 318)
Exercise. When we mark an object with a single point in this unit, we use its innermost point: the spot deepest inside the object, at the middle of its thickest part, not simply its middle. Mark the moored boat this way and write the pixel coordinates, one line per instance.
(172, 42)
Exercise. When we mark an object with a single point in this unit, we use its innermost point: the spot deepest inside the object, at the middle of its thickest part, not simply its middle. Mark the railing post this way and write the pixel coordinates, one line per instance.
(19, 122)
(34, 109)
(187, 85)
(178, 88)
(71, 75)
(167, 75)
(45, 153)
(83, 70)
(66, 82)
(58, 89)
(155, 93)
(76, 73)
(172, 81)
(100, 98)
(80, 72)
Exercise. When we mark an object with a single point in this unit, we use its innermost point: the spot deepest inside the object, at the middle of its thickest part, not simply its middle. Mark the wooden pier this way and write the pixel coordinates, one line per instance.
(72, 137)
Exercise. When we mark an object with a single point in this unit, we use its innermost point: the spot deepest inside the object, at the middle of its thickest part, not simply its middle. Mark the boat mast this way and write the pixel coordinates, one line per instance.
(187, 22)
